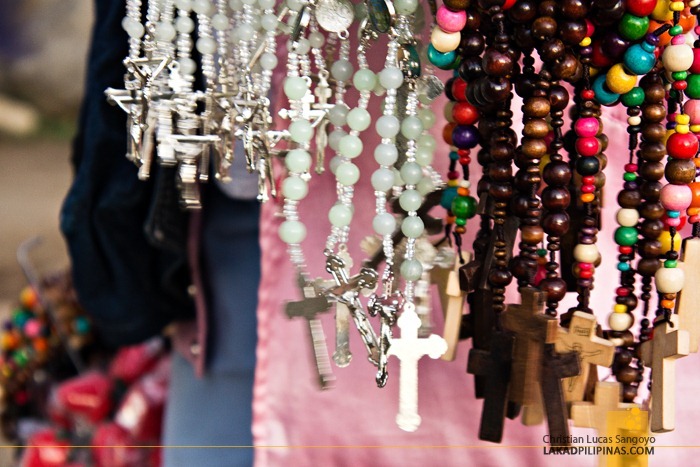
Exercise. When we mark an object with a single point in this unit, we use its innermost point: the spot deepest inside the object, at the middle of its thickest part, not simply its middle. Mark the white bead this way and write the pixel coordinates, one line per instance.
(627, 217)
(620, 321)
(465, 183)
(586, 253)
(634, 120)
(677, 57)
(669, 280)
(444, 41)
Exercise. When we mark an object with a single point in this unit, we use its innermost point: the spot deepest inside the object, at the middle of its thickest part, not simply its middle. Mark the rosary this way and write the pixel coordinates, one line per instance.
(196, 86)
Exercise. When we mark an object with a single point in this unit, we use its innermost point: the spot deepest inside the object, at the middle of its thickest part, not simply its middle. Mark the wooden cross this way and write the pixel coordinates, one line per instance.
(452, 300)
(591, 349)
(494, 366)
(532, 330)
(688, 299)
(660, 353)
(409, 349)
(596, 414)
(309, 308)
(555, 367)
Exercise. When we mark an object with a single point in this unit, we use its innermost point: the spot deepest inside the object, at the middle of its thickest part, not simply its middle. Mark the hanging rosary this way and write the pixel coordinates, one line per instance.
(197, 83)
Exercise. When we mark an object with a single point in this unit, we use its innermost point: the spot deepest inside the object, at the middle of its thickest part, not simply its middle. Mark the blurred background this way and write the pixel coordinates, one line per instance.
(43, 47)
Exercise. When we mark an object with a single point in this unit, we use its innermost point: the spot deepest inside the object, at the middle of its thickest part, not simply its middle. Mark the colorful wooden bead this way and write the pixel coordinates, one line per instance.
(444, 61)
(627, 217)
(633, 27)
(669, 280)
(586, 127)
(677, 57)
(682, 146)
(620, 321)
(602, 93)
(665, 240)
(444, 41)
(618, 80)
(676, 197)
(449, 20)
(584, 253)
(638, 61)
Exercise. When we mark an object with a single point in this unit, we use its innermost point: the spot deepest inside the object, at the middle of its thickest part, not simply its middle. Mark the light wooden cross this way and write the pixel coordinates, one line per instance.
(409, 349)
(592, 350)
(532, 330)
(452, 300)
(595, 414)
(660, 353)
(688, 301)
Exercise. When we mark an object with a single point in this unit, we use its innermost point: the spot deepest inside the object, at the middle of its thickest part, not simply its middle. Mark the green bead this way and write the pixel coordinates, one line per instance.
(20, 317)
(81, 325)
(626, 236)
(444, 61)
(634, 98)
(629, 177)
(411, 269)
(364, 79)
(633, 27)
(464, 207)
(679, 75)
(460, 221)
(675, 30)
(671, 263)
(541, 252)
(693, 89)
(412, 227)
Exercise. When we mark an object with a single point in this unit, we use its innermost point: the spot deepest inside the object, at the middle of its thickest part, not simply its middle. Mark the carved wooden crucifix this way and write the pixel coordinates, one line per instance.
(688, 301)
(591, 349)
(452, 300)
(660, 353)
(555, 367)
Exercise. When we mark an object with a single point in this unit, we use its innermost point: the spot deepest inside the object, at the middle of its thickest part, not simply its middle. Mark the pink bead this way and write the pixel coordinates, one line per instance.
(694, 219)
(585, 266)
(672, 221)
(679, 39)
(631, 167)
(671, 117)
(676, 197)
(692, 109)
(32, 328)
(586, 126)
(451, 21)
(588, 146)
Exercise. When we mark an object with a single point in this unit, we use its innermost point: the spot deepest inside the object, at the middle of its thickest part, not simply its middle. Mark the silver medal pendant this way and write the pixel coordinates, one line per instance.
(334, 15)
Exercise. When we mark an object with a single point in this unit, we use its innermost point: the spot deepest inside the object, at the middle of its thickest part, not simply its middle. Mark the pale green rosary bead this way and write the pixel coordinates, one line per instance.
(347, 173)
(202, 7)
(336, 161)
(187, 65)
(358, 119)
(411, 127)
(425, 186)
(410, 200)
(342, 70)
(301, 131)
(411, 173)
(219, 22)
(295, 5)
(426, 141)
(398, 181)
(405, 7)
(340, 215)
(424, 156)
(268, 61)
(266, 4)
(350, 146)
(384, 223)
(427, 117)
(133, 28)
(364, 80)
(382, 179)
(334, 138)
(412, 227)
(298, 161)
(206, 45)
(316, 40)
(246, 32)
(386, 154)
(184, 24)
(295, 87)
(387, 126)
(338, 114)
(391, 78)
(301, 47)
(269, 22)
(292, 232)
(236, 5)
(165, 32)
(185, 5)
(294, 188)
(411, 270)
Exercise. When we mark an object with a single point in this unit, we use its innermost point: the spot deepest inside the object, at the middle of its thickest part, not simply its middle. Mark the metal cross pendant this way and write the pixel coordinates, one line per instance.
(386, 307)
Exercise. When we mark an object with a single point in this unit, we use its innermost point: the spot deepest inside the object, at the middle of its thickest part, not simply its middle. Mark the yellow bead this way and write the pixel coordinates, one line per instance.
(676, 6)
(682, 119)
(620, 308)
(593, 71)
(587, 197)
(543, 163)
(452, 182)
(665, 239)
(662, 12)
(695, 128)
(585, 42)
(682, 129)
(619, 81)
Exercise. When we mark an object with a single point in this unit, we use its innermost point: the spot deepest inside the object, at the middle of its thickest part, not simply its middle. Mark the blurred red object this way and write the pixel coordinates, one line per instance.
(88, 396)
(45, 449)
(112, 446)
(133, 362)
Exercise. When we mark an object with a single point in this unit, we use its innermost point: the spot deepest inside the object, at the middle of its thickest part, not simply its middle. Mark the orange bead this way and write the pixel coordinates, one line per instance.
(696, 161)
(450, 219)
(587, 197)
(40, 345)
(463, 191)
(687, 20)
(447, 133)
(665, 39)
(667, 304)
(695, 189)
(28, 298)
(692, 211)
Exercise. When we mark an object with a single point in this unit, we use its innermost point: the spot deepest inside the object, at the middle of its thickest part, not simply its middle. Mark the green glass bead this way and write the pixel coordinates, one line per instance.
(412, 227)
(292, 232)
(634, 98)
(693, 89)
(294, 188)
(629, 176)
(364, 79)
(460, 207)
(427, 116)
(541, 252)
(384, 223)
(425, 186)
(671, 263)
(405, 7)
(626, 236)
(350, 146)
(410, 200)
(411, 270)
(444, 61)
(675, 30)
(298, 160)
(295, 87)
(301, 131)
(460, 221)
(411, 127)
(679, 75)
(411, 173)
(359, 119)
(347, 173)
(340, 215)
(424, 156)
(633, 27)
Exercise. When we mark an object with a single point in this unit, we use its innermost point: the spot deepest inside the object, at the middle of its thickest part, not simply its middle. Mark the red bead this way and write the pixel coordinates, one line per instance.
(588, 146)
(588, 180)
(681, 221)
(453, 175)
(631, 168)
(508, 4)
(598, 57)
(622, 291)
(463, 152)
(671, 117)
(625, 250)
(464, 113)
(590, 29)
(680, 85)
(585, 266)
(640, 7)
(585, 274)
(459, 90)
(588, 189)
(682, 146)
(587, 94)
(465, 160)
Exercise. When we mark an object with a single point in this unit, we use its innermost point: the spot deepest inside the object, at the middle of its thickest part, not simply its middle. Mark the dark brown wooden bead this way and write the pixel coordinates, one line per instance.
(680, 171)
(648, 266)
(627, 375)
(653, 113)
(500, 172)
(652, 151)
(497, 90)
(651, 171)
(519, 205)
(536, 128)
(502, 152)
(568, 68)
(651, 228)
(572, 31)
(574, 9)
(534, 148)
(558, 98)
(629, 393)
(457, 5)
(554, 287)
(501, 191)
(654, 132)
(548, 8)
(555, 198)
(629, 199)
(523, 11)
(473, 19)
(649, 248)
(537, 107)
(623, 356)
(556, 223)
(472, 43)
(655, 93)
(499, 277)
(544, 27)
(557, 173)
(650, 191)
(532, 234)
(496, 63)
(651, 210)
(552, 50)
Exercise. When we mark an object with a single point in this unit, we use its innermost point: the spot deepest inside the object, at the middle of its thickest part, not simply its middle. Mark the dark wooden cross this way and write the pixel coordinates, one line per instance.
(555, 367)
(494, 366)
(309, 308)
(660, 354)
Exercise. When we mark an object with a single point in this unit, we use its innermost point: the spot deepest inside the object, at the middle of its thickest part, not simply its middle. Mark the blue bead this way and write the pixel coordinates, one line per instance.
(623, 267)
(673, 214)
(637, 61)
(454, 156)
(444, 61)
(448, 196)
(602, 94)
(648, 47)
